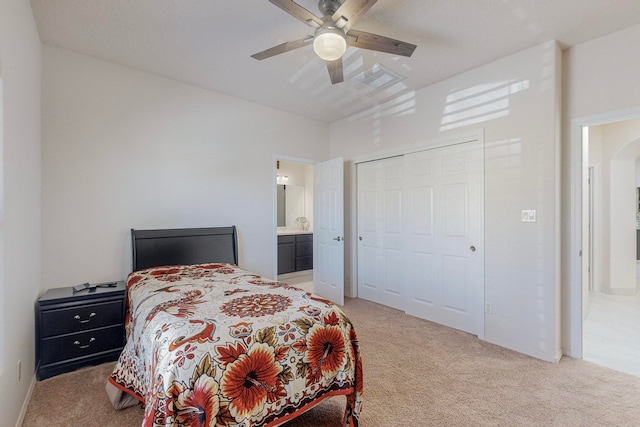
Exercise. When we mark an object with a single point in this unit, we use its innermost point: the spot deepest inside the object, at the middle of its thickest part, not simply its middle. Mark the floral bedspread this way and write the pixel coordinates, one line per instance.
(214, 345)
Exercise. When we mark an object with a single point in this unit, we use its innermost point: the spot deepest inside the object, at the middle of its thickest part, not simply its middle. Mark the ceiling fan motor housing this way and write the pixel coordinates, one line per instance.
(328, 7)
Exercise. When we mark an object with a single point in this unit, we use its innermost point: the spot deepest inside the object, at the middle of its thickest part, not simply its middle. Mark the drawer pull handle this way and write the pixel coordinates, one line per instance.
(84, 346)
(77, 317)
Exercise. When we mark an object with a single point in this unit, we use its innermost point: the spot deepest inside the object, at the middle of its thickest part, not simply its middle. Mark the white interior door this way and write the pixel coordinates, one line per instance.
(444, 258)
(328, 230)
(380, 241)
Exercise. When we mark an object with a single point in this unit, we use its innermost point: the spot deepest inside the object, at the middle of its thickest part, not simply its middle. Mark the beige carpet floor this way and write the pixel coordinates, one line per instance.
(416, 373)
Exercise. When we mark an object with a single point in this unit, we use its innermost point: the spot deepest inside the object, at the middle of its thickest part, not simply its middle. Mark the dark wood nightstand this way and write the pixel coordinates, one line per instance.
(78, 329)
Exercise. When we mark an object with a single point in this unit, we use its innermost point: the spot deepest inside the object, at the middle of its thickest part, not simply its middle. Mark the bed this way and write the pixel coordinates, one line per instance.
(210, 344)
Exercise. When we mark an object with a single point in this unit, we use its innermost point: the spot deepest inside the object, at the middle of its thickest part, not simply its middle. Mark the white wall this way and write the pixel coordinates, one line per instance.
(600, 82)
(125, 149)
(295, 172)
(20, 280)
(622, 227)
(516, 101)
(601, 76)
(308, 187)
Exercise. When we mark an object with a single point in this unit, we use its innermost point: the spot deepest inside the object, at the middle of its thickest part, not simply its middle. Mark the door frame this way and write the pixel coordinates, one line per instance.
(274, 215)
(572, 345)
(593, 230)
(351, 285)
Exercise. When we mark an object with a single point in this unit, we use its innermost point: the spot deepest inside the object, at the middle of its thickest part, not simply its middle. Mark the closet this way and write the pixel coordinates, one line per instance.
(380, 239)
(419, 227)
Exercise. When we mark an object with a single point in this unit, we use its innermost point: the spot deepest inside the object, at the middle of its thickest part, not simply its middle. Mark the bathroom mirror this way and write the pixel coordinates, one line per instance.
(290, 204)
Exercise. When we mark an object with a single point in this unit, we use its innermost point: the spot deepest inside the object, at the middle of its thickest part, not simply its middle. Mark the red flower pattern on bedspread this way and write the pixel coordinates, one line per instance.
(229, 348)
(325, 351)
(256, 305)
(251, 380)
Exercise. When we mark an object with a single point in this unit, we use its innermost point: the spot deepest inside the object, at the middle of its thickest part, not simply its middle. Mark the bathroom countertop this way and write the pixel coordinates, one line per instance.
(290, 231)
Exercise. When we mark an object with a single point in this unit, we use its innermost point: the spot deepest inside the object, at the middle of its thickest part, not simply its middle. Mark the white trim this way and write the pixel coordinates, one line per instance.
(557, 212)
(575, 219)
(25, 404)
(353, 228)
(619, 291)
(542, 355)
(431, 145)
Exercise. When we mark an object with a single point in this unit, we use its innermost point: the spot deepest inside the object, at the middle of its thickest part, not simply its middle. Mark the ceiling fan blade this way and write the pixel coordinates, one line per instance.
(299, 12)
(335, 71)
(282, 48)
(370, 41)
(350, 12)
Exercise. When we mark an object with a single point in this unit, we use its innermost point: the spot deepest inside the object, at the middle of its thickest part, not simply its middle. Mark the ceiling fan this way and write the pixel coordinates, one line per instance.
(333, 33)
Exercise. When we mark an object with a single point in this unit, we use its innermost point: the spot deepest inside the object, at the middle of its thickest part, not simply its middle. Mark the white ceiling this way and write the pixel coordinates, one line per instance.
(208, 43)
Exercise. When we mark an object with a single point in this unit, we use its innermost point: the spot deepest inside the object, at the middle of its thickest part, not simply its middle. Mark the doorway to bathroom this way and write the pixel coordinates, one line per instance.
(294, 183)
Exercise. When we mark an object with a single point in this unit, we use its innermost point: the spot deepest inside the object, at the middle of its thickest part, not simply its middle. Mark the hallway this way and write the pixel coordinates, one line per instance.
(611, 332)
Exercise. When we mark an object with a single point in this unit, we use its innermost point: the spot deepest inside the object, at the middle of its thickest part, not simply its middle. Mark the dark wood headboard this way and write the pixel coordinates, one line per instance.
(152, 248)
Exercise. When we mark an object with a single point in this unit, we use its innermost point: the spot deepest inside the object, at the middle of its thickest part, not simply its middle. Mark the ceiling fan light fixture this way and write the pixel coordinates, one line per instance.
(329, 43)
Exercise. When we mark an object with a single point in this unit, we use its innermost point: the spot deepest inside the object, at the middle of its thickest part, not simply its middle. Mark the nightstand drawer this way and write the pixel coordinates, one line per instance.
(71, 346)
(81, 318)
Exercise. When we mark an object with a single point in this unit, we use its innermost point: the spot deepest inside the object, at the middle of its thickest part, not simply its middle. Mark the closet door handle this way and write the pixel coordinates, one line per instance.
(337, 238)
(472, 248)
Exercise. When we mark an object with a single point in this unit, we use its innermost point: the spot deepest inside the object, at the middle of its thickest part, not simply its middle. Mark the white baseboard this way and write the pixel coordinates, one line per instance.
(25, 405)
(553, 358)
(619, 291)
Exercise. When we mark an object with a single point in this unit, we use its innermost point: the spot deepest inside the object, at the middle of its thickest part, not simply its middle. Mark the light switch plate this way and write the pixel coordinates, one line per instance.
(529, 215)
